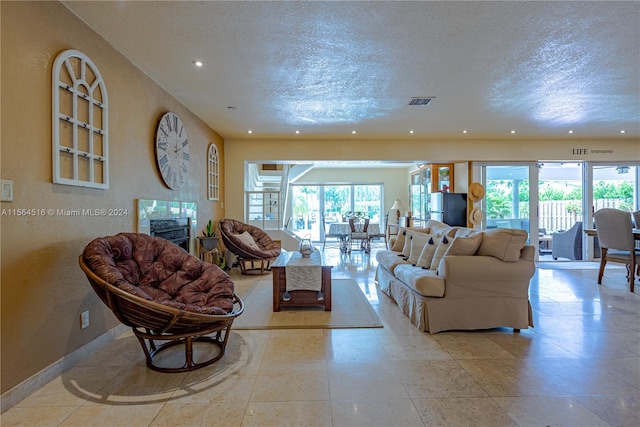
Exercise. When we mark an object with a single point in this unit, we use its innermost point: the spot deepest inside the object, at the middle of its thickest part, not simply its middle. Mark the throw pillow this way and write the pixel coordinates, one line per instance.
(418, 242)
(503, 243)
(400, 239)
(247, 239)
(442, 248)
(465, 245)
(426, 256)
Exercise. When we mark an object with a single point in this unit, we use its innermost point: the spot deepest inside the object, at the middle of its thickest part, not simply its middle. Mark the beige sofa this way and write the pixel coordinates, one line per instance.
(457, 278)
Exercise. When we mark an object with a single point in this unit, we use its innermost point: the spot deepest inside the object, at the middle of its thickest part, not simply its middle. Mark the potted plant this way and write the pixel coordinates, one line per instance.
(209, 238)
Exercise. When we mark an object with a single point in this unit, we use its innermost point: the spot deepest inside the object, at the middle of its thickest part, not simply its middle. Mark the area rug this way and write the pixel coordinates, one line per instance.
(350, 309)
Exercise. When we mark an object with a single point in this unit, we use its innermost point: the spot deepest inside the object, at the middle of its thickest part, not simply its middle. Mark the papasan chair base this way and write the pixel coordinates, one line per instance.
(160, 327)
(255, 266)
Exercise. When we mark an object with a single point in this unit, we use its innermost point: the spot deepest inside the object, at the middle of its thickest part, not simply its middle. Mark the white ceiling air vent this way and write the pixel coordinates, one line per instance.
(421, 100)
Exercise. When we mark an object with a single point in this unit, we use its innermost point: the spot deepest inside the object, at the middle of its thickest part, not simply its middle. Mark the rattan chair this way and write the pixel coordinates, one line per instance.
(164, 294)
(253, 247)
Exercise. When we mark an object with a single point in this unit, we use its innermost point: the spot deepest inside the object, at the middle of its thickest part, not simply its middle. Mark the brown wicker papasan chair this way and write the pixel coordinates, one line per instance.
(164, 294)
(251, 245)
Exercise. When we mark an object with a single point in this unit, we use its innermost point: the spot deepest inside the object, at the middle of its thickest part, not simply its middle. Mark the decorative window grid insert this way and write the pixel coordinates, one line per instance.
(263, 209)
(213, 177)
(80, 137)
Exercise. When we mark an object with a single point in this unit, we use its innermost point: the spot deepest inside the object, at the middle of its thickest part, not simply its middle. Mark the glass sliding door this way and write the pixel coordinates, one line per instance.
(615, 186)
(336, 200)
(306, 211)
(611, 186)
(506, 201)
(560, 210)
(310, 202)
(367, 199)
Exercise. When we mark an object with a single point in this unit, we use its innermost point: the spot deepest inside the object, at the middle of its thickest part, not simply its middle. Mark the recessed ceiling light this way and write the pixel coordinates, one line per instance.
(623, 131)
(249, 131)
(513, 131)
(411, 131)
(571, 131)
(353, 132)
(297, 131)
(198, 63)
(465, 131)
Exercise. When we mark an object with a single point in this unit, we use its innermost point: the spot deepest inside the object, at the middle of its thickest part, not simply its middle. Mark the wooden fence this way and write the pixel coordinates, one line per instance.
(559, 215)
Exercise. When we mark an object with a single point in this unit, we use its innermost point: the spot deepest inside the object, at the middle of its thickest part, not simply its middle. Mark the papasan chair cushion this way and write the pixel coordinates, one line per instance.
(158, 270)
(164, 294)
(232, 231)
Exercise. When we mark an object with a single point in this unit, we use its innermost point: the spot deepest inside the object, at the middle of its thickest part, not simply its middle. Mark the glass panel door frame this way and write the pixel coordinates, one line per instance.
(479, 173)
(590, 174)
(376, 211)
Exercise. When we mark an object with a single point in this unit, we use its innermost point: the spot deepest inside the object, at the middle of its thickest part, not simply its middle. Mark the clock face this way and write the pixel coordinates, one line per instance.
(172, 150)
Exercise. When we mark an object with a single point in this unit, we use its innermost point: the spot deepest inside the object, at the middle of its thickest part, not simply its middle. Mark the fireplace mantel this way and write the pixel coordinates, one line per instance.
(149, 209)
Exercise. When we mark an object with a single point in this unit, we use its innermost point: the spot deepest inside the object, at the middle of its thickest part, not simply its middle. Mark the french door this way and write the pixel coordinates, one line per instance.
(547, 198)
(312, 202)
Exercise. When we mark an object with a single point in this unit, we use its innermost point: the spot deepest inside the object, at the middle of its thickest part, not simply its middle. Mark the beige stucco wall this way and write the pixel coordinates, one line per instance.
(43, 289)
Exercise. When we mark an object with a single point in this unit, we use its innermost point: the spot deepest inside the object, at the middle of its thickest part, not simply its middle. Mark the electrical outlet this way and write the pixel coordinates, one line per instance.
(84, 319)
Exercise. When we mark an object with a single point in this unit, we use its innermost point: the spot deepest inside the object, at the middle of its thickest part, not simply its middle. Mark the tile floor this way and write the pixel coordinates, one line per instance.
(579, 366)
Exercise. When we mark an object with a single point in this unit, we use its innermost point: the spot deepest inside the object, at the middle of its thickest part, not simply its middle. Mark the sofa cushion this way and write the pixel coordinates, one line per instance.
(417, 243)
(503, 243)
(424, 260)
(465, 245)
(443, 247)
(466, 231)
(390, 259)
(437, 227)
(425, 282)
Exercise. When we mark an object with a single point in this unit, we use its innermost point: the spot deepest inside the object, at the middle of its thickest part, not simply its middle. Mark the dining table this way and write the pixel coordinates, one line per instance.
(344, 230)
(591, 232)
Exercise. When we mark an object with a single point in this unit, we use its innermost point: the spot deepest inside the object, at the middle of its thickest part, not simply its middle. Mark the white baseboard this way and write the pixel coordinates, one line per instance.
(23, 390)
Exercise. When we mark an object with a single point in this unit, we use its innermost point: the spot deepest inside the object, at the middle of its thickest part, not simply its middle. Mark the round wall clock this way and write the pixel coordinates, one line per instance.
(172, 150)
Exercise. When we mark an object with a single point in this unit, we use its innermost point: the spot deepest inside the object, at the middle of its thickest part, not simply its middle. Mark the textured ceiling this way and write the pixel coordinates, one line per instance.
(328, 68)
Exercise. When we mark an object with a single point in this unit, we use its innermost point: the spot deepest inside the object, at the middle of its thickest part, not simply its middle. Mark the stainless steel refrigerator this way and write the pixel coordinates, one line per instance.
(450, 208)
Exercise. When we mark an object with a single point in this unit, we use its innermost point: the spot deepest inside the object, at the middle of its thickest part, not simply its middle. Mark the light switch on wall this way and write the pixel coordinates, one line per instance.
(7, 190)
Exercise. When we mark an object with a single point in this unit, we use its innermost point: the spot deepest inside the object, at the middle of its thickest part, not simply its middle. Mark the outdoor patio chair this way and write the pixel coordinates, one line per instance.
(567, 244)
(164, 294)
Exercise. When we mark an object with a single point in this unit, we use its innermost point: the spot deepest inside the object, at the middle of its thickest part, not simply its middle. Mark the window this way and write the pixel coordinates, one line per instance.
(213, 174)
(80, 138)
(310, 202)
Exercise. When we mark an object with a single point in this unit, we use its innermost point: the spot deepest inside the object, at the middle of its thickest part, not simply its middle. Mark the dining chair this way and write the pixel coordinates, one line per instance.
(636, 224)
(328, 234)
(614, 231)
(636, 219)
(359, 234)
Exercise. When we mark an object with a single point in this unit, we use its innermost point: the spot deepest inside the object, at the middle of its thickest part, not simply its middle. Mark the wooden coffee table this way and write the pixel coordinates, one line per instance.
(301, 297)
